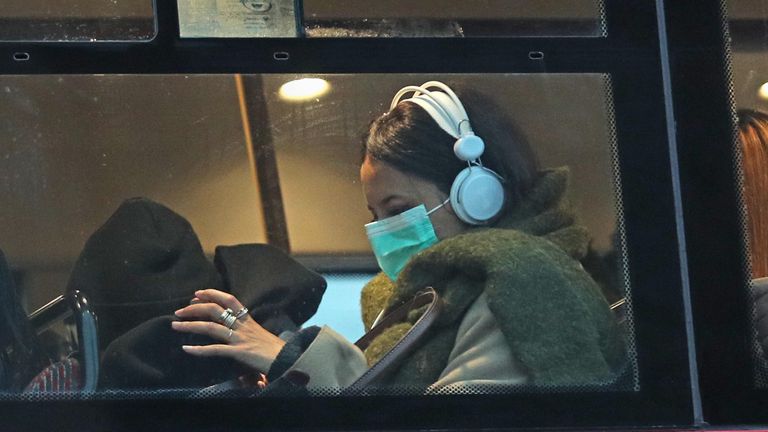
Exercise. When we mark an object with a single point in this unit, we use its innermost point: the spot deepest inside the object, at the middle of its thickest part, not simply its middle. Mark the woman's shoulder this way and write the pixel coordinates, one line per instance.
(504, 247)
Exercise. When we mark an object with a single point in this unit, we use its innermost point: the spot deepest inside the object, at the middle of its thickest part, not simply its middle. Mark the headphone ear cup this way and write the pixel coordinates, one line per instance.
(477, 195)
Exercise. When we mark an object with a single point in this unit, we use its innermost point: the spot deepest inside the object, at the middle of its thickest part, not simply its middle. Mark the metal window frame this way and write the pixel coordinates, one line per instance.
(717, 261)
(630, 54)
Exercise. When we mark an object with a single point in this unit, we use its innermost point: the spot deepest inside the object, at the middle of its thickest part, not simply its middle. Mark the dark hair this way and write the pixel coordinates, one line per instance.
(411, 141)
(753, 134)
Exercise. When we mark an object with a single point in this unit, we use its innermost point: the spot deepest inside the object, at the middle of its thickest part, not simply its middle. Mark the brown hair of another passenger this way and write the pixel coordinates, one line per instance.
(753, 134)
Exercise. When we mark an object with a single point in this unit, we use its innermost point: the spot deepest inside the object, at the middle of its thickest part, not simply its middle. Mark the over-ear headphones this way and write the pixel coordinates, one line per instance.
(477, 193)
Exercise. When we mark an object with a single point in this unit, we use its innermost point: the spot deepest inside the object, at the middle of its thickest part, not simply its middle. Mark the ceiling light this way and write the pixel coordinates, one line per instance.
(763, 92)
(304, 89)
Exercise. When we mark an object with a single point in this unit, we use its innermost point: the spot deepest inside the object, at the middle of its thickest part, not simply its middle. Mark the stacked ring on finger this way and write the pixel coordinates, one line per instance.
(241, 313)
(230, 321)
(228, 318)
(224, 314)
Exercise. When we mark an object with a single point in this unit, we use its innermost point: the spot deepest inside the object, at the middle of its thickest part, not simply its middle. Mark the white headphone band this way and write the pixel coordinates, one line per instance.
(447, 90)
(423, 94)
(477, 194)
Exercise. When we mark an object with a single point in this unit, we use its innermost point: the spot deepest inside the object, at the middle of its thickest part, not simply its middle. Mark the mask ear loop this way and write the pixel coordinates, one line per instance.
(447, 200)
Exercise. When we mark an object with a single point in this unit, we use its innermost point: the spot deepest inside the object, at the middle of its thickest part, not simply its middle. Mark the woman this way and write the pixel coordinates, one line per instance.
(753, 137)
(493, 236)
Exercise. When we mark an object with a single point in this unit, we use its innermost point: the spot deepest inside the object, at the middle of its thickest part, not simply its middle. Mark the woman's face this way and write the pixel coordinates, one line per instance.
(390, 192)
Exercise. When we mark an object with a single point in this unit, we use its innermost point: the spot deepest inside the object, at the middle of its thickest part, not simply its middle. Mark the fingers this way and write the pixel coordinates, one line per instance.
(206, 328)
(210, 350)
(262, 382)
(225, 300)
(207, 311)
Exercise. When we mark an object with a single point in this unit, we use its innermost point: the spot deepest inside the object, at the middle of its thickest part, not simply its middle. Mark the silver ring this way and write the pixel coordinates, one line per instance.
(230, 321)
(241, 313)
(226, 313)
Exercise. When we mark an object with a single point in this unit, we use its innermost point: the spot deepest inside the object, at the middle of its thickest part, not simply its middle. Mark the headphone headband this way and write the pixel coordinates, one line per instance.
(477, 194)
(443, 106)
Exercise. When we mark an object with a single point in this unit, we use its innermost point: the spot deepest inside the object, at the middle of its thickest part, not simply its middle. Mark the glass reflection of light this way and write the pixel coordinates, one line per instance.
(763, 92)
(303, 89)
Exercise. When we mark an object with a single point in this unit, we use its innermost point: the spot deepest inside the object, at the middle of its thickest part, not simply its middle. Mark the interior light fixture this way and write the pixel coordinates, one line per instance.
(763, 92)
(304, 89)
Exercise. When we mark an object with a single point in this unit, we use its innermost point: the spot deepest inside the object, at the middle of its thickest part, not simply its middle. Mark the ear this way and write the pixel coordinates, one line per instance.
(449, 208)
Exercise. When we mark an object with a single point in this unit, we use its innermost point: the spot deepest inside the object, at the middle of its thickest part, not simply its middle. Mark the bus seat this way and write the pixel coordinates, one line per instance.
(63, 376)
(80, 371)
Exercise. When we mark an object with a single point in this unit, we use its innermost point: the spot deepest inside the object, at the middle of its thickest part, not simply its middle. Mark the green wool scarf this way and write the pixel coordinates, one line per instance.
(552, 314)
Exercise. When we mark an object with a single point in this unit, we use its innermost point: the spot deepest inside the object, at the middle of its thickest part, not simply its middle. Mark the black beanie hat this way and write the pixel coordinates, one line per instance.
(145, 261)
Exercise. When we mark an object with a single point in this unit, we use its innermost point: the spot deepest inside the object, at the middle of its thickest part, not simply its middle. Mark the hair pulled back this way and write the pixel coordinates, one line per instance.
(408, 139)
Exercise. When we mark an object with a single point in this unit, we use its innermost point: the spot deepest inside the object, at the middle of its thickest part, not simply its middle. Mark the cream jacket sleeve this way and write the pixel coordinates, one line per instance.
(331, 362)
(480, 356)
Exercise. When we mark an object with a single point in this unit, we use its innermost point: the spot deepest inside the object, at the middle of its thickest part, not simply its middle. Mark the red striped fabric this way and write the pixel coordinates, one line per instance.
(63, 376)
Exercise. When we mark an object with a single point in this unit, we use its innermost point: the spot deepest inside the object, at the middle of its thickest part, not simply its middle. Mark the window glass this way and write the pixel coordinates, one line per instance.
(228, 163)
(390, 18)
(76, 147)
(444, 18)
(76, 20)
(341, 301)
(235, 18)
(333, 124)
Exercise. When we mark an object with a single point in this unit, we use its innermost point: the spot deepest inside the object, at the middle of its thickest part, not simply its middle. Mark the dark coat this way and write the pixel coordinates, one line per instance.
(145, 262)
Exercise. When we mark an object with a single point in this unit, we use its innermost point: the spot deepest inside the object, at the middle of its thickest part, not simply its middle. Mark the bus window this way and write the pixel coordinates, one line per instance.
(276, 158)
(391, 18)
(232, 204)
(440, 18)
(341, 301)
(77, 20)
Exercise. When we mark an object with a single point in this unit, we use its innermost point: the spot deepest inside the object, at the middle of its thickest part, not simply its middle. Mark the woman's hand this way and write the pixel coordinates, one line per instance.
(247, 342)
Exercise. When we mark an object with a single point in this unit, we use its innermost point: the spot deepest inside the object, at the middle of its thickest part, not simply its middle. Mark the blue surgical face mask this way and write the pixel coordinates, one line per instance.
(396, 239)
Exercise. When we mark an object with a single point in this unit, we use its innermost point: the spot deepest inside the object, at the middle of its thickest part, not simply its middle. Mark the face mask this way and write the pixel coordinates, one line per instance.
(396, 239)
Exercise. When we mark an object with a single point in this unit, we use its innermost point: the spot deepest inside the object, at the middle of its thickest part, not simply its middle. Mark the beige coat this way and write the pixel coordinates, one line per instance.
(480, 356)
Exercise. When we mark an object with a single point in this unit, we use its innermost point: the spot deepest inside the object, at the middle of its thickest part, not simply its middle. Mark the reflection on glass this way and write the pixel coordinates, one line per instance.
(76, 20)
(237, 18)
(79, 151)
(446, 18)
